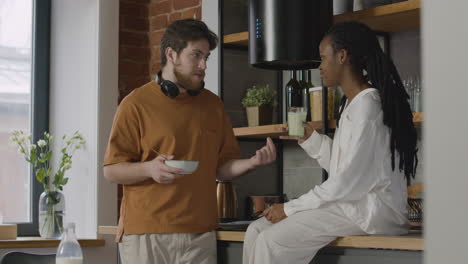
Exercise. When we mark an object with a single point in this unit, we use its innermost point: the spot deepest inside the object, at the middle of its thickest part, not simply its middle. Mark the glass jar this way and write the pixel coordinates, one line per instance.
(316, 103)
(51, 214)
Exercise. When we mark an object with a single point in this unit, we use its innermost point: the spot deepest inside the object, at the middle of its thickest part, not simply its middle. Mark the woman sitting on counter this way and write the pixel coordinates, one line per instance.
(369, 161)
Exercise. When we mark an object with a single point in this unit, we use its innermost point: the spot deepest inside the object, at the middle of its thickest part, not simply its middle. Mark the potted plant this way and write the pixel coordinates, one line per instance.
(51, 201)
(259, 102)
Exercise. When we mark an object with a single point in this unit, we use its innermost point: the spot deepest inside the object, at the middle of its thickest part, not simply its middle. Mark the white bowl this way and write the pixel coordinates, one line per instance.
(188, 166)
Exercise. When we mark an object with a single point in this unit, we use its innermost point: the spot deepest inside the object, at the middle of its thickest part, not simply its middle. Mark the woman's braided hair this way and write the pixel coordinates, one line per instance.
(365, 53)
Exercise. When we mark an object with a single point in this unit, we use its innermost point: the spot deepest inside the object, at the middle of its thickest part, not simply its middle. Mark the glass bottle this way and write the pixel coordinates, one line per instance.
(304, 89)
(293, 92)
(309, 79)
(307, 93)
(69, 250)
(417, 96)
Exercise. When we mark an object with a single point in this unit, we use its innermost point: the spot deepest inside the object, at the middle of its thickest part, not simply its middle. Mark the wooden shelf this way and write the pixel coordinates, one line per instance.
(237, 39)
(386, 18)
(277, 130)
(273, 131)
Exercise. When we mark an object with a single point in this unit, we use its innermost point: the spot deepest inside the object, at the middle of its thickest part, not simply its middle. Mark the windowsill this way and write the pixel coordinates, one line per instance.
(39, 242)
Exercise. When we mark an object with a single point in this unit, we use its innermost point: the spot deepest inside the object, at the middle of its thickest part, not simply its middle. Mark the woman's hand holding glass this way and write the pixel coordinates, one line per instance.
(308, 130)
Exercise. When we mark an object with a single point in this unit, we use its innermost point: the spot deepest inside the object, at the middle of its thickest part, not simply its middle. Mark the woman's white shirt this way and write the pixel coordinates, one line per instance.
(361, 180)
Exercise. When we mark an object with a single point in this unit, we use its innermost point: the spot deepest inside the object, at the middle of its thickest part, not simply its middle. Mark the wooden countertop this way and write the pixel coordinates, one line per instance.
(412, 241)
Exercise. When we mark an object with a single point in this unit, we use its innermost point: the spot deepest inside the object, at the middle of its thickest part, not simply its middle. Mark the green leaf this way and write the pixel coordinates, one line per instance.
(40, 175)
(259, 95)
(64, 181)
(56, 180)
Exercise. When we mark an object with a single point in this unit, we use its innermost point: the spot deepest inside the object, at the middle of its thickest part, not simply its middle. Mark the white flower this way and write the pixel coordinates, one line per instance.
(41, 143)
(20, 151)
(32, 147)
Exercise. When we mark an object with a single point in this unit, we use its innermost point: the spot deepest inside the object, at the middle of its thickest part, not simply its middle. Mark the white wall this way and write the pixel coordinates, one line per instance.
(83, 79)
(74, 101)
(210, 17)
(445, 130)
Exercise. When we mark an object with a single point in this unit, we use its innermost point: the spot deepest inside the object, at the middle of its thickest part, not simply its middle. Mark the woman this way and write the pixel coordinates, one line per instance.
(369, 161)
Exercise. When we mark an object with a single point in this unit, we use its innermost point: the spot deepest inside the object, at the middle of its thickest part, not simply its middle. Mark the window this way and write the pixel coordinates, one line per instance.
(24, 70)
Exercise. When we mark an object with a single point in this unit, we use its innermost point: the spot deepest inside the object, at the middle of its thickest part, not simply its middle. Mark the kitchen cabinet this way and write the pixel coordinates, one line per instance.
(344, 250)
(231, 253)
(387, 18)
(406, 249)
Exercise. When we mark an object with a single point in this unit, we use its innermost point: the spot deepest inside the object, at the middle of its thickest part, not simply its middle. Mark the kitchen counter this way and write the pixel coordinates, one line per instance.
(413, 241)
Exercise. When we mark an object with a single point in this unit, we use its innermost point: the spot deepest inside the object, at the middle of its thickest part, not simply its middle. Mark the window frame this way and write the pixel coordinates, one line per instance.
(40, 69)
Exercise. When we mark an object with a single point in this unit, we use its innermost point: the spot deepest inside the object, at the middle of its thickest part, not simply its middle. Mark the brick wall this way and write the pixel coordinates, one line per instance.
(142, 24)
(133, 45)
(162, 13)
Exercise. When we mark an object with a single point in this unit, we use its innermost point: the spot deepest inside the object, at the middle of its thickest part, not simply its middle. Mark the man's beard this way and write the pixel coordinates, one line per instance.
(186, 82)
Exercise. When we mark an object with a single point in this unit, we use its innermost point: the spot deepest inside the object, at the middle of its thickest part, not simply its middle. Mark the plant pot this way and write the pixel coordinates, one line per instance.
(259, 115)
(51, 214)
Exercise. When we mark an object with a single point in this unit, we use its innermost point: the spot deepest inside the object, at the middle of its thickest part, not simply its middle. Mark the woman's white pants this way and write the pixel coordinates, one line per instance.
(297, 238)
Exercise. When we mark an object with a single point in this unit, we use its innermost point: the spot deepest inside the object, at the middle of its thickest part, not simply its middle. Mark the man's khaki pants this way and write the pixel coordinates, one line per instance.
(177, 248)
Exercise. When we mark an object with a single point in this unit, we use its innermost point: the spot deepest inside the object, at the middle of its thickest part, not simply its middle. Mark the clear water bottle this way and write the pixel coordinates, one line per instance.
(69, 250)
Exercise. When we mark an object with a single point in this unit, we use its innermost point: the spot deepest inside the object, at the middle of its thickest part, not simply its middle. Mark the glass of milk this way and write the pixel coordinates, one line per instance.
(296, 116)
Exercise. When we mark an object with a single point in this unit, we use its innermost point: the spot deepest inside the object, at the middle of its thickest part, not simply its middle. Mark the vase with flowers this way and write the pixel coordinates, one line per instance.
(39, 155)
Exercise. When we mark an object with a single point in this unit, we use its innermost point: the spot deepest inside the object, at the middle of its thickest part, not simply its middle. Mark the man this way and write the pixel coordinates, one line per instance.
(167, 217)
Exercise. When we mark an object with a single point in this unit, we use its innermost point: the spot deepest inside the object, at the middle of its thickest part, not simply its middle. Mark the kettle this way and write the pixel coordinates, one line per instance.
(227, 201)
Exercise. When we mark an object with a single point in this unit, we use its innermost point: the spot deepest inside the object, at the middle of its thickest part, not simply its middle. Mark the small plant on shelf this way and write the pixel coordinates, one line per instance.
(259, 102)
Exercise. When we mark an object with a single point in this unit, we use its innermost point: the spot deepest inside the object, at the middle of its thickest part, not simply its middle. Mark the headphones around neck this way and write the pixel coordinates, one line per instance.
(171, 90)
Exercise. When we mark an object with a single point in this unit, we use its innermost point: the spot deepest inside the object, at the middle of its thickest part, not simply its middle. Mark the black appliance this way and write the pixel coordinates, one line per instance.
(285, 34)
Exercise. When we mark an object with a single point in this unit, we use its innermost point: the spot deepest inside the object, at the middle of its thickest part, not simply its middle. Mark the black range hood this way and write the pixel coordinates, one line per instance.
(285, 34)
